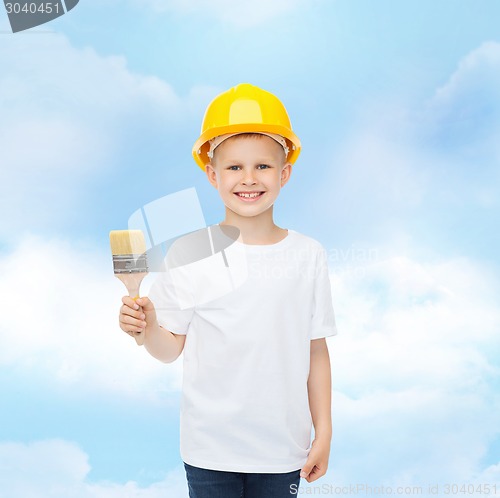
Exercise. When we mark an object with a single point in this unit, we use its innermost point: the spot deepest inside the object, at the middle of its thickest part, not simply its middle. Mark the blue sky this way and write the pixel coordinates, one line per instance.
(397, 105)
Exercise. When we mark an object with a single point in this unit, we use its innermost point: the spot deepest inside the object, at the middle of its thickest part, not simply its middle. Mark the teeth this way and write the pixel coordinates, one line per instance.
(249, 196)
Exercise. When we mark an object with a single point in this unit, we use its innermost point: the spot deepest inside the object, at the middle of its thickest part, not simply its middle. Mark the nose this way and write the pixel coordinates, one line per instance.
(248, 177)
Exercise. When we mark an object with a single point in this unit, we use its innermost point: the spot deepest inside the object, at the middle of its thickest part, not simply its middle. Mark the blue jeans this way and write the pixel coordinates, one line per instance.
(205, 483)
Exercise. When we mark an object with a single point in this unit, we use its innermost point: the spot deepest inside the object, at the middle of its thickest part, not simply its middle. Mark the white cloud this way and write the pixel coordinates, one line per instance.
(415, 375)
(58, 468)
(490, 475)
(238, 14)
(462, 117)
(409, 172)
(378, 180)
(414, 397)
(67, 116)
(377, 170)
(476, 79)
(62, 323)
(47, 73)
(413, 371)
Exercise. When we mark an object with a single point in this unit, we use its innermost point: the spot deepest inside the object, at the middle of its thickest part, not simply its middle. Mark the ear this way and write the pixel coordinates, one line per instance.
(286, 172)
(211, 175)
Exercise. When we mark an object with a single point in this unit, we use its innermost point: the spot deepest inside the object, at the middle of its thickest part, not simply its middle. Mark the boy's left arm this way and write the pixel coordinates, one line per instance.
(319, 386)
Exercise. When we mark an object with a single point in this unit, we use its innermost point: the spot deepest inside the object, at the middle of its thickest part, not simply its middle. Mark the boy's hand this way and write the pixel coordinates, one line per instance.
(136, 315)
(317, 461)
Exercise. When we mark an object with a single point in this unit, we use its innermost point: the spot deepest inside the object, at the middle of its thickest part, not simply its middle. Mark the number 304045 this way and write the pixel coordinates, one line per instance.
(33, 8)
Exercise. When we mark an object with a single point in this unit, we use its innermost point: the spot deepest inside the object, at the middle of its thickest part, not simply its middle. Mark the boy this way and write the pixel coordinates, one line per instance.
(256, 363)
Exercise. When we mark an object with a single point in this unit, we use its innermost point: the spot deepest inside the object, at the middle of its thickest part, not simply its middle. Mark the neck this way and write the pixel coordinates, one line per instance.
(259, 229)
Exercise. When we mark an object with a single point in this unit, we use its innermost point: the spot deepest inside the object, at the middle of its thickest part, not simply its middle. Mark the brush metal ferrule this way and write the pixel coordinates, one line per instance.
(130, 263)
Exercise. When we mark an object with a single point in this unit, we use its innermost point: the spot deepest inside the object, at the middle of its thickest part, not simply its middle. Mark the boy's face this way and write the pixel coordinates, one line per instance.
(249, 172)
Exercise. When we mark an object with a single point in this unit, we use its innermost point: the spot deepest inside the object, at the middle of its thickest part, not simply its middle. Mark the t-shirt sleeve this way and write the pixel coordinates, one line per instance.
(323, 316)
(170, 313)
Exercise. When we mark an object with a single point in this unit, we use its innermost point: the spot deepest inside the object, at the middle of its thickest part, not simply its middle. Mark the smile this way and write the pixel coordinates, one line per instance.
(249, 196)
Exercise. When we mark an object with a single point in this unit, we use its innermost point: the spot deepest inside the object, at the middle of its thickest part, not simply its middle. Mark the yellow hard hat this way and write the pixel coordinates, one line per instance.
(244, 108)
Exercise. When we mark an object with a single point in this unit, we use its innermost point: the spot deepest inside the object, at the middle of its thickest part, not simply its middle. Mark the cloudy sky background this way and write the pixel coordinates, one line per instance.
(397, 105)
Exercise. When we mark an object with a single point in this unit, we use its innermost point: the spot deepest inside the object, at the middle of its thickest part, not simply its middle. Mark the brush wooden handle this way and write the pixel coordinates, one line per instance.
(132, 282)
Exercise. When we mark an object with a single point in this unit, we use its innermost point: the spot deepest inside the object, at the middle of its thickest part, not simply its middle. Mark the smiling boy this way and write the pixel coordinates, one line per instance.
(256, 363)
(249, 170)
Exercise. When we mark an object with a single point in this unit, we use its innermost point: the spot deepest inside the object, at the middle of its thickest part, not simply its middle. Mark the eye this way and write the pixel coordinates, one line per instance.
(263, 166)
(233, 168)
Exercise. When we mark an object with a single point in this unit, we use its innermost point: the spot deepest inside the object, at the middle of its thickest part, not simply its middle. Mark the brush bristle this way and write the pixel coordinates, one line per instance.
(127, 242)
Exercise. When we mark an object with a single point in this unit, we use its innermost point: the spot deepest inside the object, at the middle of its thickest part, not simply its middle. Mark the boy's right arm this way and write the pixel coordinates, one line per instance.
(159, 342)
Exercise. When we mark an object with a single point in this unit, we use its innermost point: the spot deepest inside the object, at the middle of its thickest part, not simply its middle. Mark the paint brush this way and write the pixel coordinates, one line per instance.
(128, 248)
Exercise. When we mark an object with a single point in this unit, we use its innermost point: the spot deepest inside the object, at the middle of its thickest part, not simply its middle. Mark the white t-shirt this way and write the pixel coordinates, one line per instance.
(245, 404)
